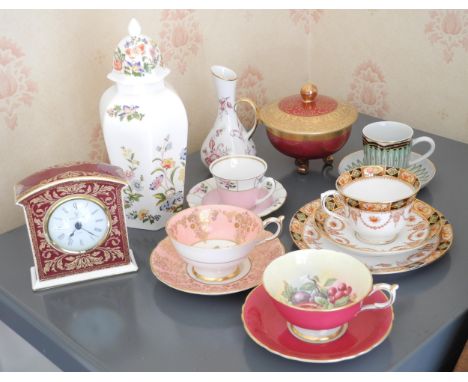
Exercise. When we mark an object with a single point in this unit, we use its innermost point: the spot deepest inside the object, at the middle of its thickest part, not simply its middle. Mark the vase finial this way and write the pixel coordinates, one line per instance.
(134, 28)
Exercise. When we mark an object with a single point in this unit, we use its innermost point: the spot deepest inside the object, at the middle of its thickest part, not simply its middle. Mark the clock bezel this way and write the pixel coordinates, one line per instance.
(65, 199)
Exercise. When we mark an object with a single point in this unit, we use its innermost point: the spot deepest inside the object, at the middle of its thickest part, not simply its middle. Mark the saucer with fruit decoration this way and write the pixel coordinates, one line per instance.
(268, 328)
(169, 268)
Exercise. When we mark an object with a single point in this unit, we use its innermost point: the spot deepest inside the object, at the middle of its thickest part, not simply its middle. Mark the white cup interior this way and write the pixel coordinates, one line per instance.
(388, 131)
(238, 167)
(223, 72)
(378, 190)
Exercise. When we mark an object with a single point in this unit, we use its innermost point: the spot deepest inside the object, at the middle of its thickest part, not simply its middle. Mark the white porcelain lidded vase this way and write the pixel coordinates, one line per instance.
(145, 130)
(227, 136)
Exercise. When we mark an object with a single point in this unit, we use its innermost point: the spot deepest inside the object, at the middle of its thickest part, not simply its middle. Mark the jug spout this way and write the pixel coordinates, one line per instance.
(225, 83)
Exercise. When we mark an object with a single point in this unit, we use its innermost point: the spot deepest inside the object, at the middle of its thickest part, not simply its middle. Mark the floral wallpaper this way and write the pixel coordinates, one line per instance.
(449, 31)
(16, 86)
(49, 106)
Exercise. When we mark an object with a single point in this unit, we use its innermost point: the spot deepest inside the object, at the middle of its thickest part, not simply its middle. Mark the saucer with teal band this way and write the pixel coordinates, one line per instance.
(424, 170)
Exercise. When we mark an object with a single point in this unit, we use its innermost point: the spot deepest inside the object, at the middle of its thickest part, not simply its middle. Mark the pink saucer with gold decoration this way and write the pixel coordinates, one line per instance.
(170, 269)
(267, 327)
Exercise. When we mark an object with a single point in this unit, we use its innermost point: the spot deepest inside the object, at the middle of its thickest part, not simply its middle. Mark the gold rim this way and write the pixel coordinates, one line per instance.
(191, 291)
(309, 360)
(382, 271)
(57, 204)
(416, 189)
(221, 77)
(225, 158)
(212, 207)
(369, 290)
(217, 279)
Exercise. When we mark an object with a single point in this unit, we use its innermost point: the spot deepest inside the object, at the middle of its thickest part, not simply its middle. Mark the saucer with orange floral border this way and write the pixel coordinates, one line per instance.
(269, 329)
(170, 269)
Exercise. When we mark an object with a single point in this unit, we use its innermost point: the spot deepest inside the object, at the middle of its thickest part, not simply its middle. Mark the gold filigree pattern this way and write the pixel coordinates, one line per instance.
(323, 126)
(200, 223)
(54, 263)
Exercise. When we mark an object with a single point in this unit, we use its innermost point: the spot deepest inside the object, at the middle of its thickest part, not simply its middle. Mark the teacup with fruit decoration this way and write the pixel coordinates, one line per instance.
(214, 239)
(319, 291)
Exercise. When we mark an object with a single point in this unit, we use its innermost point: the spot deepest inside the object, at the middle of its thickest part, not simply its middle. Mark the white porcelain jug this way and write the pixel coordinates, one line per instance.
(145, 130)
(227, 136)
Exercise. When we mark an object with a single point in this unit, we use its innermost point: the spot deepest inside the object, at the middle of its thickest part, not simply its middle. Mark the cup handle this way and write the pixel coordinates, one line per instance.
(428, 153)
(254, 107)
(323, 200)
(262, 183)
(279, 227)
(391, 291)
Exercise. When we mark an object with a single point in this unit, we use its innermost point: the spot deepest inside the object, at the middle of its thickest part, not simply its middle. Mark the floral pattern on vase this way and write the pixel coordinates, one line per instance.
(166, 173)
(125, 112)
(250, 84)
(98, 152)
(135, 60)
(448, 28)
(368, 90)
(16, 87)
(132, 193)
(163, 188)
(180, 37)
(305, 18)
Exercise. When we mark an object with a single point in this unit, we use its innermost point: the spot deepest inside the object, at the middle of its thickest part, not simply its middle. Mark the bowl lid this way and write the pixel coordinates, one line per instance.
(308, 113)
(137, 59)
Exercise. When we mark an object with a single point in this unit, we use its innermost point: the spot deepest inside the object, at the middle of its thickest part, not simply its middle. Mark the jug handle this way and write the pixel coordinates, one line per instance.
(254, 107)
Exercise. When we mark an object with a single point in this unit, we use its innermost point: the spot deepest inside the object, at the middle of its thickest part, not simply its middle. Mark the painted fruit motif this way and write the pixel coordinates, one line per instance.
(314, 294)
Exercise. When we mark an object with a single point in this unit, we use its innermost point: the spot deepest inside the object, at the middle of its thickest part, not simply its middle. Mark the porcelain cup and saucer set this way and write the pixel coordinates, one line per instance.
(221, 241)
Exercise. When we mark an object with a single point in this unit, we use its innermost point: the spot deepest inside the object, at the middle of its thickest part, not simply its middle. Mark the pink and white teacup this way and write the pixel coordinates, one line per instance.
(215, 239)
(240, 180)
(319, 291)
(377, 201)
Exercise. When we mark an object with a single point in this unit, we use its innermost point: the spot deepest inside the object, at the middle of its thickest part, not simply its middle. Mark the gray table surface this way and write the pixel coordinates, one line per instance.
(135, 323)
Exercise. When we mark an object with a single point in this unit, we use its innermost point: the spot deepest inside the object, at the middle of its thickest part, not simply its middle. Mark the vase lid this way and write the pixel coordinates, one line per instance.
(137, 59)
(308, 113)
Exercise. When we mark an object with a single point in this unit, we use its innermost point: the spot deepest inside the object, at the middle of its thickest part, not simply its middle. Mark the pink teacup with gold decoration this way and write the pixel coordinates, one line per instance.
(377, 201)
(215, 239)
(319, 291)
(240, 180)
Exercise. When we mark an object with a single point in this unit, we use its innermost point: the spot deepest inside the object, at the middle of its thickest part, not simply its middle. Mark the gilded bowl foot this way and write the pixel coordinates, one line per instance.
(302, 166)
(328, 160)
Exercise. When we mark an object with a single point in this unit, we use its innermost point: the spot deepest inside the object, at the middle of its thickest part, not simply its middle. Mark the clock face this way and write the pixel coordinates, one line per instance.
(77, 224)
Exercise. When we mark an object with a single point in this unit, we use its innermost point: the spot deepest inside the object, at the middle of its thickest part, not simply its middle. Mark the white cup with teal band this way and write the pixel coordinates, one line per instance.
(388, 143)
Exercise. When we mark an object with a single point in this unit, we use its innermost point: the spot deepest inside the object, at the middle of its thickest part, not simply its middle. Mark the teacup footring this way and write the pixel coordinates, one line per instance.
(216, 279)
(381, 242)
(317, 336)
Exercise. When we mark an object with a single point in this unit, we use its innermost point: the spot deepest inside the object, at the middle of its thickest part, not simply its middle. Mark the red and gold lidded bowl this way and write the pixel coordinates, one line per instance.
(308, 126)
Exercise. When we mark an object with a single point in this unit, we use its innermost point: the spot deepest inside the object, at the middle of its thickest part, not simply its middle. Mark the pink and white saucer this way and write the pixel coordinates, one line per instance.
(206, 193)
(269, 329)
(170, 269)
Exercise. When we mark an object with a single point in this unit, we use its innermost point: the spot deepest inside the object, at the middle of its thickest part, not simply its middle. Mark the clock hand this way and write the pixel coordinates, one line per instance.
(71, 235)
(84, 229)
